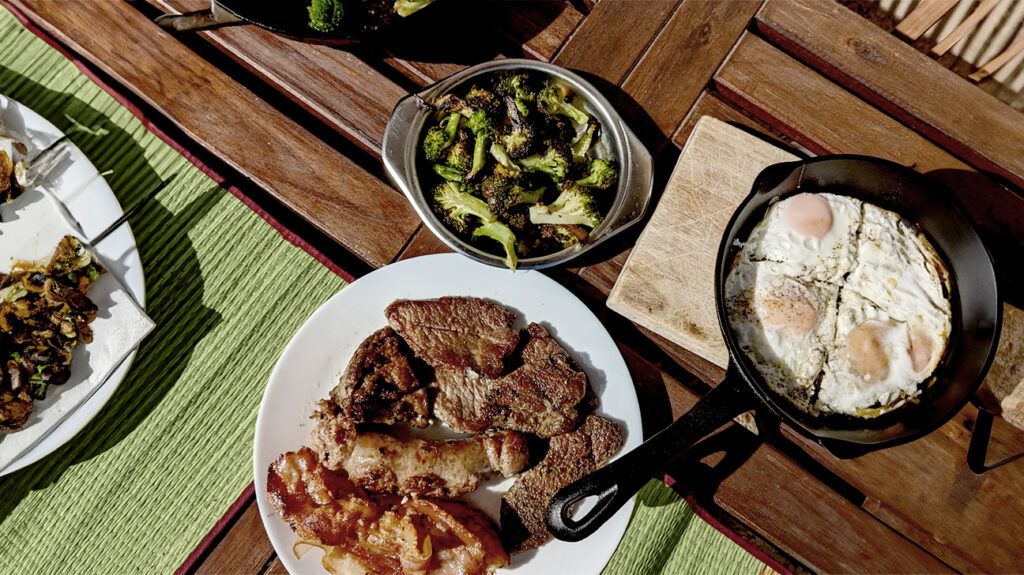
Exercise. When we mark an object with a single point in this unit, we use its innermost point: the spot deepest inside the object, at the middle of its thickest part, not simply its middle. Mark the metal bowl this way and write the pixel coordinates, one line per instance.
(411, 115)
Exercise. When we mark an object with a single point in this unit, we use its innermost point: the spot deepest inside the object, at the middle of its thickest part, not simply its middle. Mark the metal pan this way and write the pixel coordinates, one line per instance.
(289, 19)
(974, 336)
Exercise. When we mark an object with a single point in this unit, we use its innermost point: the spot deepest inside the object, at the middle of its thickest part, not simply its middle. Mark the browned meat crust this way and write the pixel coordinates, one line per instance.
(539, 397)
(570, 457)
(457, 332)
(379, 384)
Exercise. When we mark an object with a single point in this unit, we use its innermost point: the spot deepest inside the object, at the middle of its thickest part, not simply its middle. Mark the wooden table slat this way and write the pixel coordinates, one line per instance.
(244, 549)
(614, 36)
(335, 85)
(958, 115)
(670, 76)
(351, 206)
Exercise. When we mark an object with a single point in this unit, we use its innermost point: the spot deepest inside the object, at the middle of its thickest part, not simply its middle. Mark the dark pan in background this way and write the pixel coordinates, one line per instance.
(977, 314)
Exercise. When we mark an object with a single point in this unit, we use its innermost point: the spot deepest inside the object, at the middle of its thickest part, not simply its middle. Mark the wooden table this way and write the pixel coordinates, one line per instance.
(808, 73)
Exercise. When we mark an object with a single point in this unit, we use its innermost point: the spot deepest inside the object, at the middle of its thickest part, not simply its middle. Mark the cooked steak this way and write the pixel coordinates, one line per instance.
(539, 397)
(457, 332)
(379, 384)
(570, 457)
(383, 463)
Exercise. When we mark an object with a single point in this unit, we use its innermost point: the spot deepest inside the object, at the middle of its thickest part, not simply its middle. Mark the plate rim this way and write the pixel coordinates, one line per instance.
(267, 513)
(74, 422)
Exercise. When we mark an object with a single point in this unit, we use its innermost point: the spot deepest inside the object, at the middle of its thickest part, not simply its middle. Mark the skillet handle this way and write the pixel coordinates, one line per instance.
(215, 17)
(615, 483)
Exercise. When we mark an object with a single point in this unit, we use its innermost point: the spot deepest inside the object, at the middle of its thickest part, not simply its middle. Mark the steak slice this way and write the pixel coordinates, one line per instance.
(539, 397)
(379, 384)
(457, 332)
(570, 457)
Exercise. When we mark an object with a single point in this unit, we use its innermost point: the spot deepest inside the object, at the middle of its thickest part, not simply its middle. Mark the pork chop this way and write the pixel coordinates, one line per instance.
(457, 332)
(539, 397)
(570, 457)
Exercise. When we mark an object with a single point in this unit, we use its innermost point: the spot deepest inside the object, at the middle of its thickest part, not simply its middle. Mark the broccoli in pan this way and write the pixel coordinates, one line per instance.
(515, 166)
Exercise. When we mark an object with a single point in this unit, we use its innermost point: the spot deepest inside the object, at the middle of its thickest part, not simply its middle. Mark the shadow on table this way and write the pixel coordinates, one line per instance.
(174, 288)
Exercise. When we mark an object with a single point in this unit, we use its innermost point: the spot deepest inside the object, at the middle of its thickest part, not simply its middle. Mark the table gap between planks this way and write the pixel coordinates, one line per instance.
(807, 73)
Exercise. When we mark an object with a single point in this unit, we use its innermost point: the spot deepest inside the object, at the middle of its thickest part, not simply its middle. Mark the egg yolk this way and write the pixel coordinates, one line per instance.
(808, 215)
(866, 352)
(788, 312)
(921, 347)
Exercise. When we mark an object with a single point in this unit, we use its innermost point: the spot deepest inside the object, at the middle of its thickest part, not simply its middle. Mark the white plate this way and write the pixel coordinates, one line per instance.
(91, 201)
(313, 361)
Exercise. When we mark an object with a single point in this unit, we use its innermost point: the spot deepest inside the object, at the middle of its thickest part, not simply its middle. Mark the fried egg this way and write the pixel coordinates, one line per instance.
(870, 367)
(814, 235)
(784, 324)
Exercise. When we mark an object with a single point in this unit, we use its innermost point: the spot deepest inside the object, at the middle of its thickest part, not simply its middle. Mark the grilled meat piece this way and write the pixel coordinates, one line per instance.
(379, 385)
(539, 397)
(15, 400)
(457, 332)
(384, 463)
(570, 457)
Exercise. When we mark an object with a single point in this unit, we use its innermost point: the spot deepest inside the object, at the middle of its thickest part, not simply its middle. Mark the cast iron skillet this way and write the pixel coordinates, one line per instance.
(286, 18)
(974, 335)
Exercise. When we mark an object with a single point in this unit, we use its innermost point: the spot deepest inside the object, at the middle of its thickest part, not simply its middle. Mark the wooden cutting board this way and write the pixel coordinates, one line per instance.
(668, 283)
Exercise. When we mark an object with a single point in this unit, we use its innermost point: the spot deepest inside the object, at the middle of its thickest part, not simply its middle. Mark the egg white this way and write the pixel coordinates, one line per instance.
(825, 259)
(790, 363)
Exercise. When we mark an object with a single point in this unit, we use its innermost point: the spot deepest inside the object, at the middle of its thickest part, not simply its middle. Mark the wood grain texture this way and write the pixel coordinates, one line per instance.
(816, 112)
(673, 72)
(614, 36)
(423, 243)
(244, 549)
(905, 83)
(924, 16)
(539, 26)
(339, 88)
(352, 207)
(770, 493)
(668, 282)
(958, 33)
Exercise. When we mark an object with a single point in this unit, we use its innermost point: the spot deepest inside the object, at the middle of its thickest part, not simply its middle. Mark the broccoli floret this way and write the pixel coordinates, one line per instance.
(600, 174)
(325, 15)
(450, 104)
(499, 154)
(582, 145)
(575, 205)
(460, 154)
(517, 87)
(405, 8)
(480, 99)
(564, 235)
(504, 193)
(553, 100)
(449, 173)
(553, 162)
(457, 205)
(483, 131)
(502, 234)
(438, 138)
(520, 134)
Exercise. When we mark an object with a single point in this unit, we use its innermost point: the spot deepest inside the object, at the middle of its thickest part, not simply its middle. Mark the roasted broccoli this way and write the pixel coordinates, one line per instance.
(520, 134)
(502, 234)
(325, 15)
(575, 205)
(517, 87)
(457, 204)
(449, 173)
(600, 174)
(503, 193)
(582, 144)
(553, 162)
(480, 99)
(499, 154)
(553, 100)
(460, 153)
(483, 131)
(405, 8)
(438, 139)
(564, 235)
(449, 104)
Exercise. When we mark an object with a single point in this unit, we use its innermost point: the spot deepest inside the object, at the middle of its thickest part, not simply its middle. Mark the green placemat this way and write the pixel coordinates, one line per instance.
(141, 485)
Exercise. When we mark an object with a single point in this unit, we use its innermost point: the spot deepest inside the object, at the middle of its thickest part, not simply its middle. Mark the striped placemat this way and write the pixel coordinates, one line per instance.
(143, 483)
